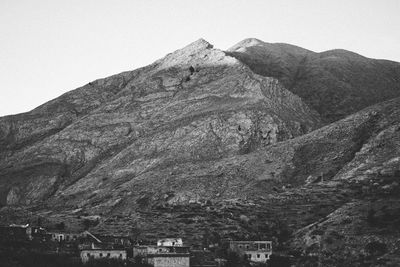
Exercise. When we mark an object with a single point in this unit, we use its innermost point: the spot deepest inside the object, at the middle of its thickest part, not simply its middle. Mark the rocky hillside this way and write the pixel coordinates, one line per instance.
(199, 145)
(336, 83)
(196, 104)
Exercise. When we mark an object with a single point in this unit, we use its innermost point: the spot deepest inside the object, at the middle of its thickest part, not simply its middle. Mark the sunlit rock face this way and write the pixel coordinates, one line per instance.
(103, 140)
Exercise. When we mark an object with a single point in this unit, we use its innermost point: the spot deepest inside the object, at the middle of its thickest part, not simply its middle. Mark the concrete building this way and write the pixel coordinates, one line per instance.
(96, 254)
(255, 251)
(38, 233)
(168, 253)
(64, 236)
(170, 242)
(116, 241)
(57, 237)
(21, 232)
(72, 237)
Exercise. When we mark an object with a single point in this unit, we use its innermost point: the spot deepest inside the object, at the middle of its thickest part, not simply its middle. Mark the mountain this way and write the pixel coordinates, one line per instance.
(335, 83)
(196, 104)
(199, 145)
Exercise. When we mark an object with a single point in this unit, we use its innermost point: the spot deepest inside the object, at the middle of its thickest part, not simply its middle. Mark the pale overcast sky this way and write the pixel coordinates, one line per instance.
(53, 46)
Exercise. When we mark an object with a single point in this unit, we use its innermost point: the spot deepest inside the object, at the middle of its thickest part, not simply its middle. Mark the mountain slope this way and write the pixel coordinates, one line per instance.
(196, 104)
(335, 83)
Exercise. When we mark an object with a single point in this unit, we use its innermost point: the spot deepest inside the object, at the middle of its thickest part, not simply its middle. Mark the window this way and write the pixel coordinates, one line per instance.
(269, 246)
(249, 256)
(120, 255)
(262, 246)
(247, 246)
(108, 255)
(101, 254)
(88, 255)
(258, 256)
(267, 256)
(240, 246)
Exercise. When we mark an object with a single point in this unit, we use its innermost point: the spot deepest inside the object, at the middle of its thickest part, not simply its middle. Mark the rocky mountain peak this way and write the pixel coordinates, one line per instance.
(248, 42)
(197, 53)
(200, 44)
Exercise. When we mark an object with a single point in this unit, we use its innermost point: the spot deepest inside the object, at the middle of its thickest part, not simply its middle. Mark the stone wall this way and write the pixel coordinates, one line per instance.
(169, 261)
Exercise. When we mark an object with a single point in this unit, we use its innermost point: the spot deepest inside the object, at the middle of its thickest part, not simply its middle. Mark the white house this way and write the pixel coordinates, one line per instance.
(170, 242)
(255, 251)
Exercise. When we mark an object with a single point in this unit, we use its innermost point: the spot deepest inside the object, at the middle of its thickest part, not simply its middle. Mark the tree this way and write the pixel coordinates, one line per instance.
(279, 261)
(235, 260)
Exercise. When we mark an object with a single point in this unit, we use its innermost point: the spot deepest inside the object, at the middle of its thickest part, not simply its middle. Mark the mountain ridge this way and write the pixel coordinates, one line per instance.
(335, 83)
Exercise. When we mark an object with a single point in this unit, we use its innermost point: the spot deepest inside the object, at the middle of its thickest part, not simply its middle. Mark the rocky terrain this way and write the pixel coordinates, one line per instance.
(207, 144)
(193, 106)
(336, 83)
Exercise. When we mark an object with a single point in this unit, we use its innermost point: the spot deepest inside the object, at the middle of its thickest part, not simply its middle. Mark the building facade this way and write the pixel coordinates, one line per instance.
(169, 260)
(170, 242)
(22, 232)
(96, 254)
(65, 237)
(168, 253)
(57, 237)
(255, 251)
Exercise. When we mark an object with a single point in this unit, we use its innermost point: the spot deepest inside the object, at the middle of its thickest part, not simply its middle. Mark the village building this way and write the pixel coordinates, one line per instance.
(170, 242)
(11, 233)
(57, 237)
(38, 233)
(255, 251)
(22, 232)
(89, 237)
(168, 253)
(116, 241)
(88, 240)
(71, 237)
(99, 253)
